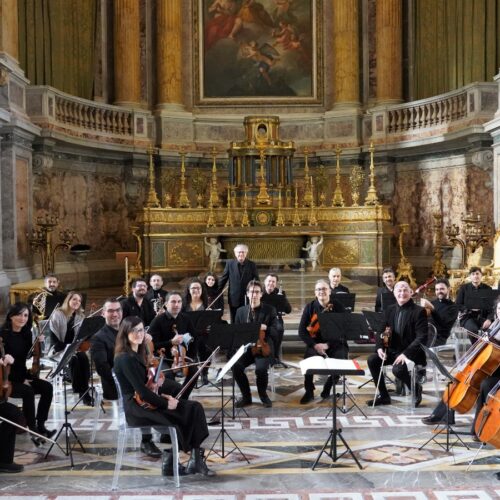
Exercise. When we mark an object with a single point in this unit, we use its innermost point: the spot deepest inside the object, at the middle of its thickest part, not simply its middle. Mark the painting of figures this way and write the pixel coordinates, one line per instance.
(252, 51)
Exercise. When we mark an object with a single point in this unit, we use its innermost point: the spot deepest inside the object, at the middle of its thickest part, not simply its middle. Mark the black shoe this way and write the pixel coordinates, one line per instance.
(325, 394)
(165, 438)
(380, 400)
(243, 401)
(433, 420)
(204, 379)
(266, 401)
(36, 440)
(197, 465)
(150, 449)
(88, 400)
(418, 395)
(167, 465)
(307, 397)
(11, 468)
(45, 432)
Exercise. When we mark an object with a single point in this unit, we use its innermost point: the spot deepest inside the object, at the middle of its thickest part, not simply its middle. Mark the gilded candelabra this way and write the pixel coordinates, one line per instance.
(152, 199)
(475, 235)
(263, 196)
(371, 195)
(312, 214)
(168, 183)
(229, 216)
(183, 197)
(200, 184)
(214, 194)
(404, 269)
(245, 220)
(321, 182)
(356, 178)
(308, 195)
(338, 199)
(40, 241)
(296, 215)
(280, 219)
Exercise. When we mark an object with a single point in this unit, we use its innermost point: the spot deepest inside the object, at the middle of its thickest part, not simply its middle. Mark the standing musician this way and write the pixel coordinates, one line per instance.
(136, 303)
(335, 276)
(473, 320)
(441, 313)
(408, 324)
(239, 273)
(168, 331)
(389, 279)
(187, 416)
(271, 290)
(103, 353)
(16, 334)
(64, 325)
(53, 297)
(215, 297)
(156, 295)
(266, 317)
(310, 333)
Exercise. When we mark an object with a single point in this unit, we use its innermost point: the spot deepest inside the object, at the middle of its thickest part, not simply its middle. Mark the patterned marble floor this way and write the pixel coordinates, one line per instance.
(281, 445)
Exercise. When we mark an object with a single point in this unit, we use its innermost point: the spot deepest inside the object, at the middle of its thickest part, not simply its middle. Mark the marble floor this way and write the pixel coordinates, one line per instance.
(281, 444)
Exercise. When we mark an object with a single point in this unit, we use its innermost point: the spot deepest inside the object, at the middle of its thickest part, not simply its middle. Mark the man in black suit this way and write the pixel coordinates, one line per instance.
(408, 324)
(136, 303)
(239, 273)
(156, 295)
(388, 278)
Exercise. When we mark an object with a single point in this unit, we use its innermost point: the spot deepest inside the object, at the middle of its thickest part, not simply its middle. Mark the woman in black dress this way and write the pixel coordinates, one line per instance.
(187, 416)
(213, 290)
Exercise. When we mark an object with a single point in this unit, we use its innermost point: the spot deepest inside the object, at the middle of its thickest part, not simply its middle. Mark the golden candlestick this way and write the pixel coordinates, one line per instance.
(245, 221)
(312, 215)
(307, 200)
(371, 195)
(183, 197)
(211, 216)
(280, 219)
(338, 199)
(214, 195)
(296, 216)
(152, 199)
(263, 196)
(229, 217)
(356, 179)
(404, 270)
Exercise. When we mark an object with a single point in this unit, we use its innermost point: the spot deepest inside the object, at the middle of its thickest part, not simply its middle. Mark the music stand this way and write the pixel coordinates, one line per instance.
(482, 300)
(230, 337)
(448, 429)
(341, 327)
(89, 327)
(348, 300)
(69, 352)
(223, 432)
(333, 367)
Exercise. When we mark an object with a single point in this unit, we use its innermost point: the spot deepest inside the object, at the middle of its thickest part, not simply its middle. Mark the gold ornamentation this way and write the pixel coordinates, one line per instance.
(136, 267)
(312, 213)
(321, 182)
(183, 197)
(211, 217)
(371, 195)
(338, 199)
(438, 266)
(185, 253)
(168, 182)
(296, 215)
(214, 195)
(263, 196)
(152, 199)
(280, 220)
(245, 221)
(200, 184)
(356, 178)
(340, 253)
(404, 269)
(229, 217)
(308, 195)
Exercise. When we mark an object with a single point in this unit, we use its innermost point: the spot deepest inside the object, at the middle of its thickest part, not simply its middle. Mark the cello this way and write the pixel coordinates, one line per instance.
(487, 427)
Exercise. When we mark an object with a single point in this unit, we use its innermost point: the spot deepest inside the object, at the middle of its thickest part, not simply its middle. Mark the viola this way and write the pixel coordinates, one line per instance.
(179, 359)
(261, 347)
(487, 426)
(481, 361)
(154, 382)
(5, 385)
(313, 327)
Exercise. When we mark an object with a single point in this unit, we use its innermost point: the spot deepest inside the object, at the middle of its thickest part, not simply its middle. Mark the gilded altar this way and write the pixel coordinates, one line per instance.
(270, 205)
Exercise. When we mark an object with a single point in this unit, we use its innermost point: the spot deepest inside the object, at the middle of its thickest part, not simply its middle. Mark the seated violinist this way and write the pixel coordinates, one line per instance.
(408, 329)
(265, 315)
(310, 334)
(188, 416)
(65, 324)
(17, 338)
(174, 332)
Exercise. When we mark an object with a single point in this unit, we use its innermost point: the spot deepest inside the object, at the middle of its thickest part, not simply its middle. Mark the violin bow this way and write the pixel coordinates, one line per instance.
(218, 296)
(42, 330)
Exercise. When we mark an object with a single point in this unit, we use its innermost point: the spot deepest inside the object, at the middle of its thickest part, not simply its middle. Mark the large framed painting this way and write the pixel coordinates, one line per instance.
(250, 52)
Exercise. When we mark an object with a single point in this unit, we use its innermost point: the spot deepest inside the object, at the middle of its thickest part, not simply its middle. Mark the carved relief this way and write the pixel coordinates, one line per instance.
(185, 253)
(341, 253)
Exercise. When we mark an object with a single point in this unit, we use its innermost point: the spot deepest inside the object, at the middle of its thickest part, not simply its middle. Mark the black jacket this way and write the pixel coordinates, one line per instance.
(162, 331)
(238, 282)
(263, 315)
(379, 303)
(103, 352)
(443, 317)
(338, 289)
(468, 289)
(131, 308)
(413, 334)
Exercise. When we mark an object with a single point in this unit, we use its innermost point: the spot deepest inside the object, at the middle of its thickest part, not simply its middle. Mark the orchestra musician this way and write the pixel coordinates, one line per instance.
(8, 432)
(238, 272)
(389, 279)
(53, 296)
(156, 294)
(335, 276)
(64, 326)
(476, 319)
(17, 338)
(213, 290)
(168, 330)
(264, 315)
(271, 291)
(187, 416)
(103, 353)
(408, 324)
(136, 303)
(310, 334)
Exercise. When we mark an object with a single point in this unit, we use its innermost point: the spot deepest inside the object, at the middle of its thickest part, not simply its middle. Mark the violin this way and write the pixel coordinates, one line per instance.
(479, 362)
(261, 347)
(179, 354)
(386, 339)
(487, 426)
(313, 327)
(154, 382)
(5, 385)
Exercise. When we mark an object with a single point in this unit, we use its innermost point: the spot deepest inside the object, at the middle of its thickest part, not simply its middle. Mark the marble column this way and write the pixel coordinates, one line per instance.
(493, 127)
(389, 47)
(9, 43)
(169, 53)
(127, 53)
(346, 52)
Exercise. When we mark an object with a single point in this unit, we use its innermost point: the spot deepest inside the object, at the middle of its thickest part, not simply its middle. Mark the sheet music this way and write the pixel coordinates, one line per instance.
(232, 361)
(320, 363)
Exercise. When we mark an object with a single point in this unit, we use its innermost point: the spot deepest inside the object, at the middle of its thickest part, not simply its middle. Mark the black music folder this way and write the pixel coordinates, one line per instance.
(348, 300)
(343, 326)
(231, 337)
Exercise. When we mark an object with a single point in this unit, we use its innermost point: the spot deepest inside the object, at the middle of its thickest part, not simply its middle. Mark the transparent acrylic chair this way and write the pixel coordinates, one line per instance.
(124, 429)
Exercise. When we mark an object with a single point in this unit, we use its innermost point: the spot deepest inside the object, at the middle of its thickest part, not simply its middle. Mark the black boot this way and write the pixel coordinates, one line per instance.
(197, 465)
(167, 464)
(44, 431)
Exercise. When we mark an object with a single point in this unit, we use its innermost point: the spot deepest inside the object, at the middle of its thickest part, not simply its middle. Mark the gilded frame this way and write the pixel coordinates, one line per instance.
(305, 81)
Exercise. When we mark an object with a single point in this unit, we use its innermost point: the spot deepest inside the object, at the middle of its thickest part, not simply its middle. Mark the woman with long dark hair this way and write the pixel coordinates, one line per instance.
(211, 284)
(17, 339)
(65, 324)
(195, 296)
(187, 416)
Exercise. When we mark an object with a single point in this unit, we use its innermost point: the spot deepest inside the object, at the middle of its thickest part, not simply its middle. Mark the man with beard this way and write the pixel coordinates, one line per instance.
(136, 303)
(156, 295)
(53, 297)
(389, 279)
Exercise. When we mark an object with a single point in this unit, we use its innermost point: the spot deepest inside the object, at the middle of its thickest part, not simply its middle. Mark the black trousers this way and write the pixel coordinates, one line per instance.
(80, 372)
(8, 432)
(27, 393)
(337, 350)
(261, 373)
